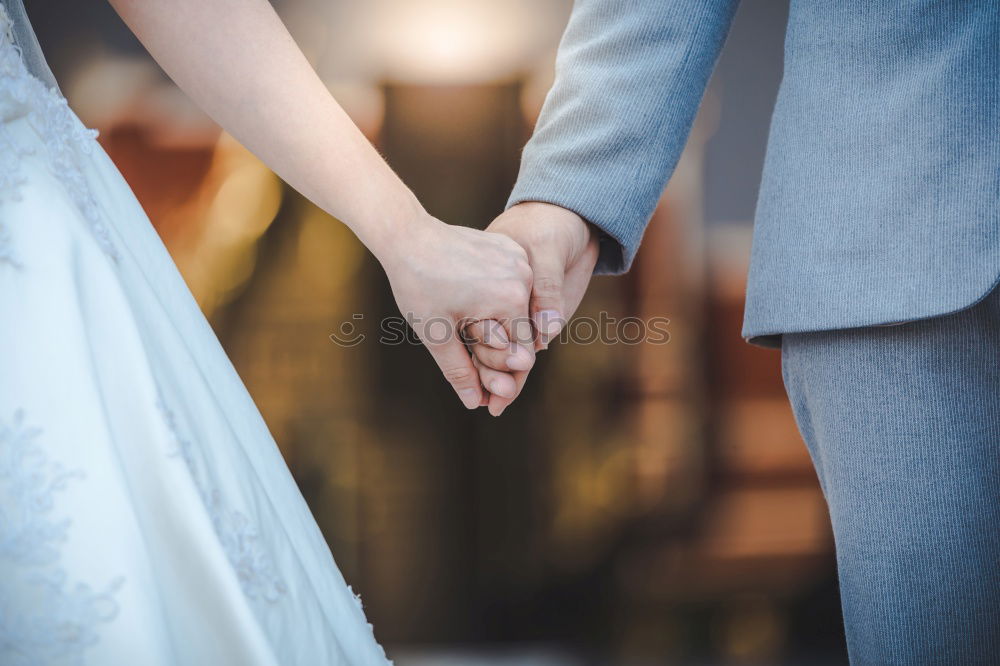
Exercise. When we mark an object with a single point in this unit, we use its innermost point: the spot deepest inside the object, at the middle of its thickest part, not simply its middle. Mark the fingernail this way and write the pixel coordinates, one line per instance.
(518, 360)
(469, 397)
(496, 388)
(549, 323)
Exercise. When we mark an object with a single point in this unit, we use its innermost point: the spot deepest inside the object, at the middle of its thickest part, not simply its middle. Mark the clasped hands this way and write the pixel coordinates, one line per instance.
(502, 294)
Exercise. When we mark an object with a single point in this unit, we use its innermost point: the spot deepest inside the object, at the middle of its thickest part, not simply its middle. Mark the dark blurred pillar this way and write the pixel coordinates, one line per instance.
(458, 148)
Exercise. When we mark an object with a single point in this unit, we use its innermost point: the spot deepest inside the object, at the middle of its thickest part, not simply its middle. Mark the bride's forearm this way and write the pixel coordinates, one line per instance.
(237, 61)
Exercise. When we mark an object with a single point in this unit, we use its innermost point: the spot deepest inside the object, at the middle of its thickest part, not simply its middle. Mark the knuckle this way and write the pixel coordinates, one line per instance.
(547, 285)
(459, 375)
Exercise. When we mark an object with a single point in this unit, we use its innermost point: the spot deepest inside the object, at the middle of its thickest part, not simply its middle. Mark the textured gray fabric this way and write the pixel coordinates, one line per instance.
(903, 425)
(880, 199)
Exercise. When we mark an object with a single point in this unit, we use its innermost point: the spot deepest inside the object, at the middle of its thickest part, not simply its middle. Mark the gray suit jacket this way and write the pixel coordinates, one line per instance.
(880, 199)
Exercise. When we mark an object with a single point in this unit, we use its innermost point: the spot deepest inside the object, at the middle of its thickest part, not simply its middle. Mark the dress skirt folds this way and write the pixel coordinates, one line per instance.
(146, 515)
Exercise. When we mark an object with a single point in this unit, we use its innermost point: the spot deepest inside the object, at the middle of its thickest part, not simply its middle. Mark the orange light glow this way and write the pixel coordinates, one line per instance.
(451, 42)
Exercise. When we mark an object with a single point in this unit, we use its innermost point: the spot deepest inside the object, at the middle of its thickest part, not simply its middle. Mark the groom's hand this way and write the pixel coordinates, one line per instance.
(445, 276)
(562, 251)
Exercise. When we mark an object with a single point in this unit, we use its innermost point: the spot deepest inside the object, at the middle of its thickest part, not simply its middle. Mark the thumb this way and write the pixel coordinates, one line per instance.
(456, 365)
(548, 305)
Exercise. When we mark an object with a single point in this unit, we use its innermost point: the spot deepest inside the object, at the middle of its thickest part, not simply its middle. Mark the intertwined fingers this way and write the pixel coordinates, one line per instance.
(502, 369)
(453, 359)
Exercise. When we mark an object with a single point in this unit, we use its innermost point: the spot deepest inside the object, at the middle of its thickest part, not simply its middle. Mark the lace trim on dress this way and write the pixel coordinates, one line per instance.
(22, 94)
(43, 618)
(11, 153)
(237, 534)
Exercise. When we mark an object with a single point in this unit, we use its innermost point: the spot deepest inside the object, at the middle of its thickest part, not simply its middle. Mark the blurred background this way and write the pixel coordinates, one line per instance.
(640, 503)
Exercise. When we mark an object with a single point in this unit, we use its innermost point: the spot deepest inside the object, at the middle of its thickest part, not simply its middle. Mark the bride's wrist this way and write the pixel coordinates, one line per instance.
(405, 236)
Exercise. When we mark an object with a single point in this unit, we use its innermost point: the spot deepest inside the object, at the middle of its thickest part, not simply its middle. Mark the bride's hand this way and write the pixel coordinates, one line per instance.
(444, 277)
(262, 90)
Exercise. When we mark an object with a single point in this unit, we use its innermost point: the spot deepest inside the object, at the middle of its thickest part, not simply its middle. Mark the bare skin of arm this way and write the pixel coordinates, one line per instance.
(237, 61)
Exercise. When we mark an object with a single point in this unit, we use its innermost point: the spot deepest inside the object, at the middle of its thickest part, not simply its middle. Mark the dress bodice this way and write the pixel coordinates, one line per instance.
(14, 86)
(26, 97)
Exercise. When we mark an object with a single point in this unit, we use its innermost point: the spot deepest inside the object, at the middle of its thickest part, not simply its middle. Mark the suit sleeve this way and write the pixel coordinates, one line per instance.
(630, 75)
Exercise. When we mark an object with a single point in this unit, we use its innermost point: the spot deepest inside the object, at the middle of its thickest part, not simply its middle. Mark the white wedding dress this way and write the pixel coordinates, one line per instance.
(146, 515)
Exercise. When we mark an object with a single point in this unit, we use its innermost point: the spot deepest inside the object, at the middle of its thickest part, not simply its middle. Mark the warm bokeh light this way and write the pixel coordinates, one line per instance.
(456, 41)
(241, 199)
(647, 503)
